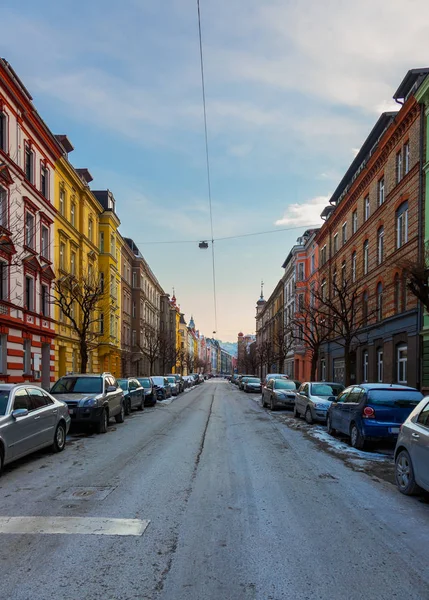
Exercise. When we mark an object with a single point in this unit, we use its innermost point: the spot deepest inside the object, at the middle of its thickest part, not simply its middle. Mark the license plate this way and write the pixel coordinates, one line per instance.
(71, 411)
(393, 429)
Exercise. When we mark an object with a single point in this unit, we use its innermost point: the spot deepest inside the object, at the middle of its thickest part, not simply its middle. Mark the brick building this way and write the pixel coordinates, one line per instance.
(371, 229)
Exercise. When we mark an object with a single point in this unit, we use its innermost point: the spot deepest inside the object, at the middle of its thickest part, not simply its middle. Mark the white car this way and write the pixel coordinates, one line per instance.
(314, 398)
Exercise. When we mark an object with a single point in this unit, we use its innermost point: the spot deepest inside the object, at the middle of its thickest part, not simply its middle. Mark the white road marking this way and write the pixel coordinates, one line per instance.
(72, 525)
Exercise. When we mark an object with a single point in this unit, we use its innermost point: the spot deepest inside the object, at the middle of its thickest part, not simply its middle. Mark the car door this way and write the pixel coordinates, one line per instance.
(268, 390)
(112, 397)
(420, 447)
(134, 394)
(302, 398)
(21, 433)
(45, 412)
(350, 409)
(336, 410)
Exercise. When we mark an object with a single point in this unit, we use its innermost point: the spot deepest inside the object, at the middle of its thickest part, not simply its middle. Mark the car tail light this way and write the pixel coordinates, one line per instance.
(368, 412)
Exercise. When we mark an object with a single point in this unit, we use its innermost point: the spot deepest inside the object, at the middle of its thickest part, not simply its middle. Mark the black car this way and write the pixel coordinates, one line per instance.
(179, 380)
(149, 392)
(92, 399)
(133, 394)
(162, 387)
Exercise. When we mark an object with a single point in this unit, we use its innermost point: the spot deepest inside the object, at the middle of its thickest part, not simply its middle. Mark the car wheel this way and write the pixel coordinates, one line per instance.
(59, 438)
(404, 474)
(296, 412)
(272, 404)
(121, 417)
(329, 427)
(103, 422)
(128, 407)
(356, 440)
(1, 459)
(309, 416)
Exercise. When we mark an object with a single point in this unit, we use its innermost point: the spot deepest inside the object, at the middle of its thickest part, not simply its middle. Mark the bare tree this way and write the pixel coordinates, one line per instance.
(343, 315)
(282, 343)
(79, 300)
(180, 360)
(151, 347)
(417, 277)
(189, 361)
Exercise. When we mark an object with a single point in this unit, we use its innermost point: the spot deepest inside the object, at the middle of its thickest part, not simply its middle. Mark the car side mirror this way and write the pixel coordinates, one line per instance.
(19, 412)
(110, 388)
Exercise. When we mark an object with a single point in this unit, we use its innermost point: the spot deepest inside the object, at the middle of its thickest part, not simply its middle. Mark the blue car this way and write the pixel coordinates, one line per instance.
(371, 412)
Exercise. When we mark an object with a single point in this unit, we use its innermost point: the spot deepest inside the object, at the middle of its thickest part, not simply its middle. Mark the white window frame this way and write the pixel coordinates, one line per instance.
(365, 365)
(30, 231)
(62, 201)
(344, 233)
(367, 208)
(381, 191)
(380, 245)
(402, 228)
(27, 357)
(30, 304)
(336, 242)
(62, 256)
(44, 300)
(354, 222)
(401, 363)
(44, 250)
(4, 280)
(354, 265)
(380, 366)
(406, 157)
(398, 166)
(366, 257)
(73, 213)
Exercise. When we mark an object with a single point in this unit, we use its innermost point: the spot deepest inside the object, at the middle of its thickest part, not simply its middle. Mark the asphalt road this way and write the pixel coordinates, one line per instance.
(239, 506)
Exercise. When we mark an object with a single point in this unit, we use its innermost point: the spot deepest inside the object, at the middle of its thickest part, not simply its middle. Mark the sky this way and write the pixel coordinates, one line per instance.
(293, 88)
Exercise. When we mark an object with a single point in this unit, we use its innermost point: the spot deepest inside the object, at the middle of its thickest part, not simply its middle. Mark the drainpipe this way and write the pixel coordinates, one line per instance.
(421, 235)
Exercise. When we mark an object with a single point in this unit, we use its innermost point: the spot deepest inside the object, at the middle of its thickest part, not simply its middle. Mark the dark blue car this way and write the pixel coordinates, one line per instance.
(371, 411)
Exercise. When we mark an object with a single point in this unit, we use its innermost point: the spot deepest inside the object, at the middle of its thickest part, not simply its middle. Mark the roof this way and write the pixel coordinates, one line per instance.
(65, 142)
(411, 83)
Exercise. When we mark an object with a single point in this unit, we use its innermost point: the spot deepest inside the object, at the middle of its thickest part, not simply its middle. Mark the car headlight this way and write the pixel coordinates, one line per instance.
(90, 402)
(320, 406)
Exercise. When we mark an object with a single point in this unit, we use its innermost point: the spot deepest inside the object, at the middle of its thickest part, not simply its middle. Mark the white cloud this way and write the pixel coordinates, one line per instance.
(304, 213)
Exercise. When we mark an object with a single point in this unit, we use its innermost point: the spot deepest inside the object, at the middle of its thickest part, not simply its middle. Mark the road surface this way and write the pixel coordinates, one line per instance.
(210, 498)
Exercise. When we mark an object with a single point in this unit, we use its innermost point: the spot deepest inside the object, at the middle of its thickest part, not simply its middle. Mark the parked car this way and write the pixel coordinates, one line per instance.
(243, 379)
(279, 391)
(133, 394)
(149, 392)
(234, 378)
(412, 451)
(173, 385)
(30, 419)
(314, 398)
(201, 378)
(179, 380)
(161, 387)
(252, 384)
(274, 376)
(91, 399)
(371, 411)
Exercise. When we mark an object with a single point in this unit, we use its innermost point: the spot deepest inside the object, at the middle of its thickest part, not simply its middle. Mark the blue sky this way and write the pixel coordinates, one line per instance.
(292, 90)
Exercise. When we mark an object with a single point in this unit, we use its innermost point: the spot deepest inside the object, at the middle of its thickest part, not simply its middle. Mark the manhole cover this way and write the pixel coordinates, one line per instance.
(86, 493)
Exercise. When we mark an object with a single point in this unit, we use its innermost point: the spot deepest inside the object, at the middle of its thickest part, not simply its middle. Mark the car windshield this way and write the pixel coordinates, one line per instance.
(284, 384)
(394, 397)
(253, 380)
(123, 383)
(325, 390)
(158, 380)
(4, 398)
(78, 385)
(145, 383)
(171, 379)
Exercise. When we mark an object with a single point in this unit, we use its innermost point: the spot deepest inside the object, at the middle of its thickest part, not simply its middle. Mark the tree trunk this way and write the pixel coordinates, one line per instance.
(83, 356)
(314, 361)
(347, 365)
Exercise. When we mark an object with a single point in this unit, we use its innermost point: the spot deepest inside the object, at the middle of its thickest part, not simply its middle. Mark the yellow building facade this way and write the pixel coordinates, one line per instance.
(109, 264)
(75, 251)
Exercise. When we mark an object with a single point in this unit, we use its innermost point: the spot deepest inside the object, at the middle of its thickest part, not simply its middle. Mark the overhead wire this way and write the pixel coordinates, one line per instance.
(203, 89)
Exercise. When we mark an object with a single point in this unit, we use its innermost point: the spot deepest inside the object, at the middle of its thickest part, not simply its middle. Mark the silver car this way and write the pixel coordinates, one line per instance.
(30, 419)
(412, 451)
(174, 385)
(314, 398)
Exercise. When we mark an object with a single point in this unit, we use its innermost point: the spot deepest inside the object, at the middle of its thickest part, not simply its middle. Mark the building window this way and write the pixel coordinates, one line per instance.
(366, 209)
(44, 181)
(73, 264)
(134, 338)
(401, 361)
(354, 222)
(45, 301)
(402, 225)
(380, 191)
(29, 230)
(134, 310)
(91, 274)
(398, 167)
(300, 271)
(323, 369)
(112, 244)
(27, 357)
(3, 131)
(365, 361)
(335, 243)
(406, 157)
(334, 282)
(29, 164)
(101, 281)
(379, 301)
(62, 201)
(380, 366)
(365, 308)
(73, 214)
(3, 208)
(62, 255)
(4, 295)
(344, 233)
(397, 293)
(380, 245)
(343, 273)
(323, 255)
(354, 262)
(29, 293)
(45, 242)
(365, 257)
(102, 242)
(313, 263)
(90, 228)
(323, 289)
(300, 303)
(101, 322)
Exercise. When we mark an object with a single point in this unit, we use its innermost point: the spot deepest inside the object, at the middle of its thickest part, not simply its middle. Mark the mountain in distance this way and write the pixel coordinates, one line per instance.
(230, 347)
